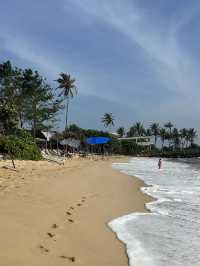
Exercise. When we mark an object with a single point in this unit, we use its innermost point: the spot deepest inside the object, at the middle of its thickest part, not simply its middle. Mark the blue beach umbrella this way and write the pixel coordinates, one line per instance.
(97, 140)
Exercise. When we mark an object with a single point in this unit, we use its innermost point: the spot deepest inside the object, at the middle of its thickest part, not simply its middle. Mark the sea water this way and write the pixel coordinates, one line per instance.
(170, 234)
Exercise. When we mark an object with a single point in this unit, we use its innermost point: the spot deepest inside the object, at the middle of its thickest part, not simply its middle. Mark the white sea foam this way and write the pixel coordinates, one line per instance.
(169, 235)
(136, 253)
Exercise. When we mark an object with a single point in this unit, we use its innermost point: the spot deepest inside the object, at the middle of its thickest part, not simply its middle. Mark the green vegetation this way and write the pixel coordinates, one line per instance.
(137, 130)
(28, 104)
(68, 89)
(80, 133)
(155, 131)
(128, 147)
(121, 131)
(173, 142)
(20, 147)
(8, 119)
(108, 120)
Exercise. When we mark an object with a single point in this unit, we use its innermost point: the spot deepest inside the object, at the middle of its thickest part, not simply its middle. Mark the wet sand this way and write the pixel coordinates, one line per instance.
(56, 215)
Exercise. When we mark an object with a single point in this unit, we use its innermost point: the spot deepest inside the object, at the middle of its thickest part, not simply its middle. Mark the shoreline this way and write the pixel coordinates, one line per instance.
(37, 198)
(147, 200)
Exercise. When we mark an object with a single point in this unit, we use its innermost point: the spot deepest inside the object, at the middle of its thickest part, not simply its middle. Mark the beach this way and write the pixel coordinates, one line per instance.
(58, 214)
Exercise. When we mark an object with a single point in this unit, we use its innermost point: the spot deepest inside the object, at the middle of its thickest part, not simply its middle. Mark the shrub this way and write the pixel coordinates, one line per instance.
(21, 146)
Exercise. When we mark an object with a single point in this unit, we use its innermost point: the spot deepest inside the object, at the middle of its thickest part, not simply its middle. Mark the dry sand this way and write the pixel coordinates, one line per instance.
(56, 215)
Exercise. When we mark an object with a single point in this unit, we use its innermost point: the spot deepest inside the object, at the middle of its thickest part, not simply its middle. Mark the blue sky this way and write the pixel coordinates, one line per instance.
(137, 59)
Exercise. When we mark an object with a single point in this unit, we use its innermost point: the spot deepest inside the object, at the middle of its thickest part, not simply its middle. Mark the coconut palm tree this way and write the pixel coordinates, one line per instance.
(137, 130)
(187, 138)
(169, 126)
(176, 137)
(183, 135)
(121, 131)
(155, 129)
(192, 135)
(140, 131)
(148, 132)
(131, 132)
(163, 135)
(68, 90)
(108, 119)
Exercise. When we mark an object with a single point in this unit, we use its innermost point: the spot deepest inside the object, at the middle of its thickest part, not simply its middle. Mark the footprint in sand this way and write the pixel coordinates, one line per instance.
(68, 213)
(50, 234)
(54, 226)
(70, 220)
(79, 204)
(43, 248)
(72, 259)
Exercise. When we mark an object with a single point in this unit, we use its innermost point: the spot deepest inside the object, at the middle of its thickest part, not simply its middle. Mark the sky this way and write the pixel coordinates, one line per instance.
(137, 59)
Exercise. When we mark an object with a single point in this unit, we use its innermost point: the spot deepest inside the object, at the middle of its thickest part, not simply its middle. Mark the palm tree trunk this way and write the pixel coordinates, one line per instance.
(20, 120)
(34, 120)
(163, 144)
(67, 110)
(34, 128)
(57, 143)
(155, 139)
(191, 141)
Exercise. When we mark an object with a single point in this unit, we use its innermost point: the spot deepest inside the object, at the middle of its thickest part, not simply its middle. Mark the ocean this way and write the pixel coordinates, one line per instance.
(170, 234)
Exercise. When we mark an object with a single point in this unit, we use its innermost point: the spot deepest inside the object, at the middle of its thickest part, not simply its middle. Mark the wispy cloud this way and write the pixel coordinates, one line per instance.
(159, 44)
(50, 64)
(21, 48)
(175, 69)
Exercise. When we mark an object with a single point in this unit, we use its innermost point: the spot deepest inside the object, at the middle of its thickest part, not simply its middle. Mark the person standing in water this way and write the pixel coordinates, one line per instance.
(160, 164)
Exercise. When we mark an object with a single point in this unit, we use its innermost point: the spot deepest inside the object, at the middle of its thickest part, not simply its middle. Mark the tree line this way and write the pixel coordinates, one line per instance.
(178, 138)
(27, 101)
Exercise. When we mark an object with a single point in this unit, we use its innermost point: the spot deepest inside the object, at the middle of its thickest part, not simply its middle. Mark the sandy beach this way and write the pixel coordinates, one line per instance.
(56, 215)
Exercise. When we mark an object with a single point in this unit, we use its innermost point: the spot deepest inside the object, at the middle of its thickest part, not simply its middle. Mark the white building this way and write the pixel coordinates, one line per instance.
(141, 141)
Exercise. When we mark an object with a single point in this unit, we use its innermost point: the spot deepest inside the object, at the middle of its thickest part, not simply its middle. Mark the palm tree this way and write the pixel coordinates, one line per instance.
(155, 129)
(131, 132)
(183, 135)
(121, 131)
(187, 138)
(192, 135)
(169, 126)
(68, 89)
(148, 132)
(176, 137)
(108, 119)
(139, 129)
(163, 135)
